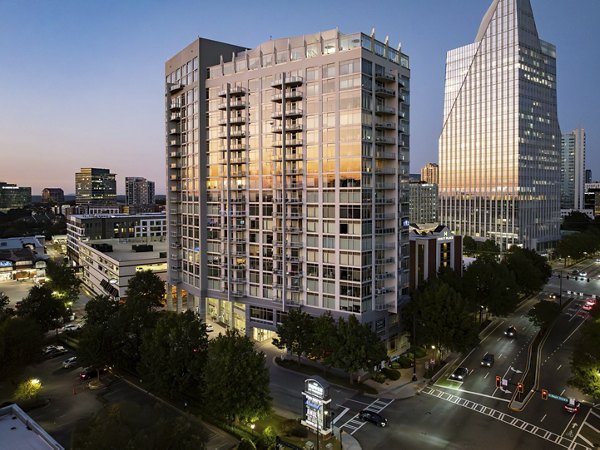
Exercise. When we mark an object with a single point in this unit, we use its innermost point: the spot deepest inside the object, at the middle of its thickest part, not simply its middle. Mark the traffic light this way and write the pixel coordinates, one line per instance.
(544, 394)
(520, 388)
(498, 381)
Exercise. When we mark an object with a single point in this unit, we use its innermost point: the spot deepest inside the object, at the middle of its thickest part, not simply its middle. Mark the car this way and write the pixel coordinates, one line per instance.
(460, 374)
(510, 331)
(587, 307)
(575, 272)
(209, 328)
(598, 260)
(552, 296)
(583, 274)
(487, 360)
(572, 406)
(90, 372)
(56, 351)
(72, 327)
(70, 362)
(590, 301)
(48, 349)
(367, 415)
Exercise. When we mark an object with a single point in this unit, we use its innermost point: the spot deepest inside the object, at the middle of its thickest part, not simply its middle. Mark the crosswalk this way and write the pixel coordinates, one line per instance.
(506, 418)
(354, 424)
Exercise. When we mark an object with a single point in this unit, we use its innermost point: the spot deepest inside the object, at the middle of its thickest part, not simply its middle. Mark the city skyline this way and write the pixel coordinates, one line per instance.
(97, 85)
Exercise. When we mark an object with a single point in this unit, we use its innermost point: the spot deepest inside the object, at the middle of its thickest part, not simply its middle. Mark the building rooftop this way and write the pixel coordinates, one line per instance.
(122, 249)
(19, 431)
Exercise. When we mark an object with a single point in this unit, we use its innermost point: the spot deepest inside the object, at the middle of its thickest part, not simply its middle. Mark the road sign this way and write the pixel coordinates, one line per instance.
(558, 397)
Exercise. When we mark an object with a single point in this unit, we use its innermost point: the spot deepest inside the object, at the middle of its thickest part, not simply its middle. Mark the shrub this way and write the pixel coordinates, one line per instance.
(294, 428)
(420, 352)
(379, 377)
(405, 362)
(246, 444)
(390, 373)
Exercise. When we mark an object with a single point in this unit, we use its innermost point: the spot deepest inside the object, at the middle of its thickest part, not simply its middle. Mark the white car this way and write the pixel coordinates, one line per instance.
(583, 274)
(72, 327)
(70, 362)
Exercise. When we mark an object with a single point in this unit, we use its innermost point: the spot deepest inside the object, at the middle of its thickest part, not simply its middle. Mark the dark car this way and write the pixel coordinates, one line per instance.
(373, 417)
(572, 406)
(90, 372)
(460, 374)
(54, 350)
(510, 332)
(487, 360)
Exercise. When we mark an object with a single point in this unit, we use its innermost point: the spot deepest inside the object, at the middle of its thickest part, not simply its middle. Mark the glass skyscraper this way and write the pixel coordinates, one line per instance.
(572, 170)
(499, 150)
(287, 169)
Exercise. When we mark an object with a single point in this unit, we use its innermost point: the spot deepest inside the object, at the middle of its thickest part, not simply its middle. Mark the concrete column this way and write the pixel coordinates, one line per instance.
(169, 297)
(179, 300)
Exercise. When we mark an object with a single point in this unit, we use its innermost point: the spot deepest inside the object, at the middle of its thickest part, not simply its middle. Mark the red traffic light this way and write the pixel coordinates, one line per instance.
(544, 394)
(498, 381)
(520, 388)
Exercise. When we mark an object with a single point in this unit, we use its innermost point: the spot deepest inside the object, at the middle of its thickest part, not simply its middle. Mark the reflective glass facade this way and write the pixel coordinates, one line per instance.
(572, 170)
(500, 143)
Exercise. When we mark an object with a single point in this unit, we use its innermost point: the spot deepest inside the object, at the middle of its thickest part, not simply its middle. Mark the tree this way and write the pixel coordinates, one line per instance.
(101, 309)
(576, 221)
(127, 425)
(295, 333)
(357, 347)
(489, 250)
(442, 318)
(173, 354)
(543, 313)
(4, 300)
(20, 341)
(490, 284)
(469, 245)
(531, 270)
(585, 363)
(233, 361)
(43, 307)
(63, 281)
(145, 290)
(5, 311)
(323, 338)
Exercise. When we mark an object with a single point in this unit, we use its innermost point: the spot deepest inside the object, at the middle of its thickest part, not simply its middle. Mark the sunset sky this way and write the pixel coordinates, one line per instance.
(82, 82)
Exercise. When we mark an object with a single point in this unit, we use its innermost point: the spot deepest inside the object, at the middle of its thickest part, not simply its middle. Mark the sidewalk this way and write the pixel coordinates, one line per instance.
(404, 387)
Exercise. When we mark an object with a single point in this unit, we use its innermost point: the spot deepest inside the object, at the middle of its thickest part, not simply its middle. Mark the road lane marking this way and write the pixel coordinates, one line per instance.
(486, 375)
(506, 418)
(563, 391)
(354, 424)
(542, 419)
(340, 415)
(559, 367)
(576, 328)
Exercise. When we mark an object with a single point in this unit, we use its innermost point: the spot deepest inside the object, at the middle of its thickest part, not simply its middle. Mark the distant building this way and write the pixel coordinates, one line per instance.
(13, 196)
(592, 197)
(430, 173)
(19, 431)
(108, 265)
(572, 170)
(432, 250)
(424, 203)
(500, 142)
(588, 175)
(22, 257)
(139, 191)
(53, 195)
(95, 186)
(90, 227)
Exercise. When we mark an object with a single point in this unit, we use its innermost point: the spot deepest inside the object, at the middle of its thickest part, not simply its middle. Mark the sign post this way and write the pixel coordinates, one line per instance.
(317, 406)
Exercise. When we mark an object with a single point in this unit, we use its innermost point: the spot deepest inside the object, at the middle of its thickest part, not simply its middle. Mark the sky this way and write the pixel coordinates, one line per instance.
(82, 81)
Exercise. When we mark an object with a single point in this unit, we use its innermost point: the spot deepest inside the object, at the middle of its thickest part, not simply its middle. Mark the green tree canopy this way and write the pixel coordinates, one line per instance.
(295, 333)
(20, 342)
(543, 313)
(576, 221)
(442, 318)
(43, 307)
(63, 281)
(173, 354)
(585, 363)
(145, 291)
(490, 284)
(324, 342)
(531, 270)
(237, 379)
(357, 347)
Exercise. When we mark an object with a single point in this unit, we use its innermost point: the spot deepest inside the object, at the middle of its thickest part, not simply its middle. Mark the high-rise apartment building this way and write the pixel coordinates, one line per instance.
(430, 173)
(139, 191)
(287, 171)
(572, 170)
(95, 186)
(588, 175)
(424, 203)
(53, 195)
(499, 149)
(13, 196)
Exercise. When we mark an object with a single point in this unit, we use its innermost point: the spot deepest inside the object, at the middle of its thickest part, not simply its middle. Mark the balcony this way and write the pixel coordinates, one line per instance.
(289, 81)
(385, 155)
(290, 127)
(384, 92)
(288, 143)
(237, 120)
(291, 96)
(173, 130)
(233, 146)
(385, 140)
(174, 143)
(383, 261)
(290, 113)
(175, 154)
(381, 305)
(384, 76)
(385, 201)
(385, 110)
(385, 126)
(233, 134)
(384, 171)
(289, 156)
(175, 87)
(175, 106)
(233, 160)
(239, 104)
(175, 117)
(234, 91)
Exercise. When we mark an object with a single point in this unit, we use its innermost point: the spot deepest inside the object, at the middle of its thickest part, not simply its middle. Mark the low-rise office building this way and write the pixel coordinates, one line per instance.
(107, 265)
(22, 258)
